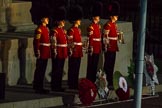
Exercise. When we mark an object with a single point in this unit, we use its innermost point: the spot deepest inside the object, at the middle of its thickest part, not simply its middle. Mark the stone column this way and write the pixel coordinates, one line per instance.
(22, 60)
(5, 46)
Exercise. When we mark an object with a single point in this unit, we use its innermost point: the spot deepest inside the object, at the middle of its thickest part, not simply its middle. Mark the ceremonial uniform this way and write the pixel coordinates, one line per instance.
(75, 47)
(94, 36)
(59, 54)
(110, 38)
(42, 51)
(59, 50)
(94, 42)
(75, 55)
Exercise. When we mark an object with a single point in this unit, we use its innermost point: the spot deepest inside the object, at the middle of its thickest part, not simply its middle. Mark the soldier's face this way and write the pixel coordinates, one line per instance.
(62, 23)
(45, 20)
(78, 22)
(114, 18)
(96, 19)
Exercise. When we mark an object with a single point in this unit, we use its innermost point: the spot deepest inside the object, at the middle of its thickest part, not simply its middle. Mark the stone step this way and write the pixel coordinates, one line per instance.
(30, 100)
(23, 96)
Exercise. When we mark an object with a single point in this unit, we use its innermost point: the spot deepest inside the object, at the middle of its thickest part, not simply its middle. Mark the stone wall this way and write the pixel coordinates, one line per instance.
(15, 16)
(17, 57)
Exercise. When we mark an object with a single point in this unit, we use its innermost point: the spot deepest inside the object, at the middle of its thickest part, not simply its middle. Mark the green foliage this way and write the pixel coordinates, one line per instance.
(116, 76)
(130, 77)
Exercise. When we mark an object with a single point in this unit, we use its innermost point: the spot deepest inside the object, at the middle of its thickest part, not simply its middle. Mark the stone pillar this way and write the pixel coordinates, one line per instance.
(22, 60)
(5, 46)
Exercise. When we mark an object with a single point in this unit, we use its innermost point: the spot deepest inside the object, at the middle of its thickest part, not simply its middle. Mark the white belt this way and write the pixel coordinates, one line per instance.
(96, 39)
(62, 45)
(45, 44)
(77, 43)
(113, 38)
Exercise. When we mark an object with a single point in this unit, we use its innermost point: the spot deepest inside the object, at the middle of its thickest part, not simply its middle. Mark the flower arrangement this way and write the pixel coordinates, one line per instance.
(101, 84)
(150, 69)
(87, 91)
(123, 92)
(121, 86)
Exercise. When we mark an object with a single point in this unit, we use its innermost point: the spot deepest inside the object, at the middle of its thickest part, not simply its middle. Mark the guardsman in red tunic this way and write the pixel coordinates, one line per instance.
(75, 47)
(42, 51)
(110, 37)
(94, 39)
(59, 50)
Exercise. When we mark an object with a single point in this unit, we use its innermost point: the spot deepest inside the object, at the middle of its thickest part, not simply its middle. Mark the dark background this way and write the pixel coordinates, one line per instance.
(129, 11)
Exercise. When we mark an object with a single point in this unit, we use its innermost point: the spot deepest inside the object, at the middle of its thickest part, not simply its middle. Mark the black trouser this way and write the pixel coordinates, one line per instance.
(109, 66)
(57, 73)
(92, 67)
(73, 72)
(39, 74)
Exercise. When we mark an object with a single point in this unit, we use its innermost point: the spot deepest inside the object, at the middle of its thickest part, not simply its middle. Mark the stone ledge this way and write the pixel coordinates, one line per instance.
(23, 97)
(35, 103)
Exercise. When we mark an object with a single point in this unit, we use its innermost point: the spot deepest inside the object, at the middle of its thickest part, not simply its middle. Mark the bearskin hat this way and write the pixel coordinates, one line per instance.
(37, 13)
(97, 9)
(60, 14)
(45, 13)
(113, 8)
(75, 13)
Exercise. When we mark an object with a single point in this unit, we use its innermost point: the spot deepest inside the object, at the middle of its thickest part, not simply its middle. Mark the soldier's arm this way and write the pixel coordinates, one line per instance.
(90, 35)
(53, 35)
(36, 42)
(90, 39)
(70, 41)
(70, 38)
(106, 31)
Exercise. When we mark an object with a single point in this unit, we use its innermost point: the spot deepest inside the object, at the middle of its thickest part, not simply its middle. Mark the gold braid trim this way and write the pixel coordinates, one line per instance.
(38, 35)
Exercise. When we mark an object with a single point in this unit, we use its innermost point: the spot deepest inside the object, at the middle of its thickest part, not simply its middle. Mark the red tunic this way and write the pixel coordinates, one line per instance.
(61, 42)
(94, 35)
(41, 42)
(74, 37)
(112, 36)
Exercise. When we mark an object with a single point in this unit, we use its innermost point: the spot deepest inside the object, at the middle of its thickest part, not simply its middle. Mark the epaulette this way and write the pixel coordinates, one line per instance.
(38, 33)
(55, 30)
(39, 30)
(72, 30)
(90, 27)
(108, 24)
